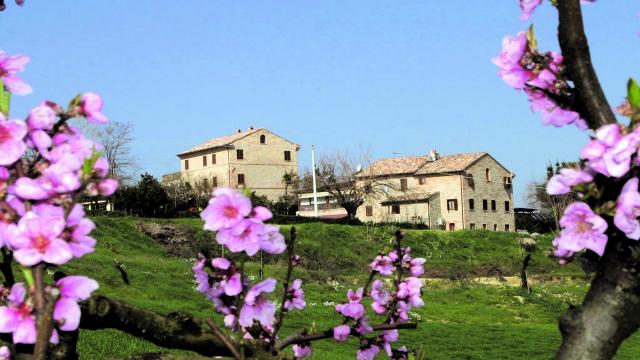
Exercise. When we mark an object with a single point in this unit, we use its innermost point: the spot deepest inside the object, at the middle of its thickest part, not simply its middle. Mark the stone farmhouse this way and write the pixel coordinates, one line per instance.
(255, 158)
(452, 192)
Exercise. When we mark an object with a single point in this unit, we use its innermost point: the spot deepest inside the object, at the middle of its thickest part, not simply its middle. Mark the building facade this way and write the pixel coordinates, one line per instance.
(255, 158)
(452, 192)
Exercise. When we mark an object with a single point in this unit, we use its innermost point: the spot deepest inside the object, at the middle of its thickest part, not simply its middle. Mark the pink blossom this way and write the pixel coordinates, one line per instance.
(302, 350)
(610, 152)
(416, 267)
(561, 184)
(12, 146)
(380, 296)
(225, 209)
(527, 7)
(91, 108)
(101, 167)
(261, 213)
(41, 118)
(353, 309)
(341, 333)
(80, 243)
(410, 290)
(10, 66)
(513, 49)
(17, 317)
(39, 240)
(389, 337)
(295, 296)
(362, 326)
(272, 241)
(201, 277)
(383, 265)
(257, 307)
(368, 353)
(107, 187)
(230, 280)
(581, 229)
(628, 210)
(246, 235)
(5, 354)
(72, 290)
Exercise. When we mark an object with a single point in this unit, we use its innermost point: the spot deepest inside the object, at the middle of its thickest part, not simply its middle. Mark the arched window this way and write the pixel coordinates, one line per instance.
(263, 139)
(487, 174)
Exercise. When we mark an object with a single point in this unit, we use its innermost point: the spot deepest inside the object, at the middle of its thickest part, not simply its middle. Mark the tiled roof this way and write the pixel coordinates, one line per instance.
(395, 166)
(450, 163)
(406, 198)
(221, 141)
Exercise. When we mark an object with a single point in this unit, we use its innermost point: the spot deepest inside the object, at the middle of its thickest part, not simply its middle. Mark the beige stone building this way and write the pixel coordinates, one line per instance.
(452, 192)
(255, 158)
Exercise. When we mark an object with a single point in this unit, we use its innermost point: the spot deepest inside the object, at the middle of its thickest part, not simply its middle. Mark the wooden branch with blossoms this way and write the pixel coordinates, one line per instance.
(603, 226)
(240, 228)
(41, 222)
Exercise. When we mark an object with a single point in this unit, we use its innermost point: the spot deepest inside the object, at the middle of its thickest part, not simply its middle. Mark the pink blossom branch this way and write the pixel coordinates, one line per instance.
(302, 337)
(287, 280)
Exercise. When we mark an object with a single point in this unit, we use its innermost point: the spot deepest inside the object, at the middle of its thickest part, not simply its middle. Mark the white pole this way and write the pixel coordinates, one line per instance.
(313, 171)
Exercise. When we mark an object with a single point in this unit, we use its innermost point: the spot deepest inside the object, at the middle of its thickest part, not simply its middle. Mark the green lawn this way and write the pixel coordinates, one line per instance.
(461, 319)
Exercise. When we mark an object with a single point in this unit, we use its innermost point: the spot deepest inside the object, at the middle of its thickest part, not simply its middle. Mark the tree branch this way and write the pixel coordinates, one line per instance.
(591, 101)
(176, 330)
(302, 337)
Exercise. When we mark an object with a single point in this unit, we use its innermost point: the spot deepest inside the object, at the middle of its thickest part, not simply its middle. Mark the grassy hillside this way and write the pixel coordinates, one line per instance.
(461, 319)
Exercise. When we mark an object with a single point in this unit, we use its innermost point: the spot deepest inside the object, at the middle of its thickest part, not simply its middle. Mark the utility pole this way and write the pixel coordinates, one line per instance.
(313, 171)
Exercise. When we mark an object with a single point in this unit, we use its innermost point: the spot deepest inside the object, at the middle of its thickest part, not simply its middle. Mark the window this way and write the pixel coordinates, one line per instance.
(403, 184)
(213, 158)
(204, 161)
(287, 155)
(472, 204)
(422, 180)
(485, 205)
(472, 226)
(186, 164)
(506, 206)
(205, 183)
(452, 204)
(214, 182)
(506, 227)
(369, 210)
(240, 179)
(487, 174)
(493, 205)
(395, 209)
(495, 227)
(263, 139)
(239, 154)
(452, 226)
(484, 226)
(327, 199)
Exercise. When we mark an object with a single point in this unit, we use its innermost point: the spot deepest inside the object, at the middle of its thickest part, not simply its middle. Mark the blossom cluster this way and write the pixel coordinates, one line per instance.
(394, 304)
(240, 228)
(541, 76)
(46, 166)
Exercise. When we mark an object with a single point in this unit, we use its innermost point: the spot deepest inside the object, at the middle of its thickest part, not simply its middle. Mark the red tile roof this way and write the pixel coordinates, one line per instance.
(221, 141)
(450, 163)
(395, 166)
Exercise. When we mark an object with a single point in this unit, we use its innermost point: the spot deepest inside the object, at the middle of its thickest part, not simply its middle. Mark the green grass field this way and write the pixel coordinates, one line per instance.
(461, 320)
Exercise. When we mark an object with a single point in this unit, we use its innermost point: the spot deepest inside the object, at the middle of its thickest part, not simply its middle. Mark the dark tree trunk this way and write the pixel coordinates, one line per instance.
(610, 311)
(524, 281)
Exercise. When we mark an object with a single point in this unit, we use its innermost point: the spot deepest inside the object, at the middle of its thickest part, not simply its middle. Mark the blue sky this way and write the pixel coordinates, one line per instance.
(393, 77)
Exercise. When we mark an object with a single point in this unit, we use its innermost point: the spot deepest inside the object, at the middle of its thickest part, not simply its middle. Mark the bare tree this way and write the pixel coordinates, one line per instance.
(538, 197)
(341, 176)
(116, 137)
(179, 193)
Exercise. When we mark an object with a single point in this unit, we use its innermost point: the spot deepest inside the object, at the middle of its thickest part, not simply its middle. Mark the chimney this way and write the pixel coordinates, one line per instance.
(251, 128)
(239, 130)
(433, 155)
